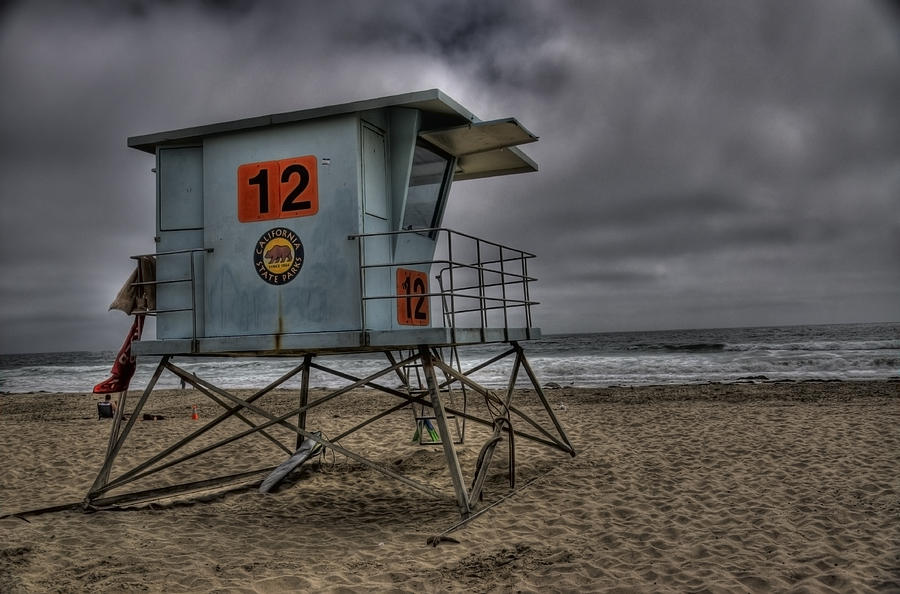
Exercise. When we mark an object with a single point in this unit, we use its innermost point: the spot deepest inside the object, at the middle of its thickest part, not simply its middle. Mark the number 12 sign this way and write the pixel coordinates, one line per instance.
(277, 189)
(412, 297)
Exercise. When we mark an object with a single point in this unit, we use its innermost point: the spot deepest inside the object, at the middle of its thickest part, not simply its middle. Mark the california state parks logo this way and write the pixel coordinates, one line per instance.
(278, 256)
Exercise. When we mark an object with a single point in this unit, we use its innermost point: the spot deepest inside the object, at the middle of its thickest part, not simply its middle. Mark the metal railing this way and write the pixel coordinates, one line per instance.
(481, 284)
(155, 283)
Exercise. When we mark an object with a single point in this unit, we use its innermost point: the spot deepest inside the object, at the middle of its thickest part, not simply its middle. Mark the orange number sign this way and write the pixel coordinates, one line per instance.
(412, 300)
(277, 189)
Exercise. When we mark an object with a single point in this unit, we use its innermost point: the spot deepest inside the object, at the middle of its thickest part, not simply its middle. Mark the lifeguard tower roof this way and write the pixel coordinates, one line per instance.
(320, 230)
(484, 149)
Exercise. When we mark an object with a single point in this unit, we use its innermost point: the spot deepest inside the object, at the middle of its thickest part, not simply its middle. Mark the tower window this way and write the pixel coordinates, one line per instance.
(427, 180)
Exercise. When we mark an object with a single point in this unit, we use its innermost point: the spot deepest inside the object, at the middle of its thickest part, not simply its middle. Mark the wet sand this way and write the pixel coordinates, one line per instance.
(723, 487)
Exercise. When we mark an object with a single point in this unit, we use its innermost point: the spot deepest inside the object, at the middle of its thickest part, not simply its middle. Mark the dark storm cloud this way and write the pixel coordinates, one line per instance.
(702, 163)
(760, 142)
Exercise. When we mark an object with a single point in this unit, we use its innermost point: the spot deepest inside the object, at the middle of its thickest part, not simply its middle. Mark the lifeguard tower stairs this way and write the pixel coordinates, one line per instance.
(316, 234)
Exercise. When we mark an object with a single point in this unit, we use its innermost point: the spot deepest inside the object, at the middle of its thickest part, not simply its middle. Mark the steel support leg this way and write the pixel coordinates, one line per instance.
(540, 393)
(440, 415)
(304, 398)
(117, 438)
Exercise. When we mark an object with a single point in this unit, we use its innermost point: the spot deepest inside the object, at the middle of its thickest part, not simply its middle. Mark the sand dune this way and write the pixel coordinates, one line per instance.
(746, 487)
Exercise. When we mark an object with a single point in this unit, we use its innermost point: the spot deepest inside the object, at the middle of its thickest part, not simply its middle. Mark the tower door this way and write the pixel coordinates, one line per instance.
(376, 219)
(179, 227)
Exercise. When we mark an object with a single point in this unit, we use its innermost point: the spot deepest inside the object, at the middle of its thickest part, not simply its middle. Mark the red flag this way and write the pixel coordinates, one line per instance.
(125, 364)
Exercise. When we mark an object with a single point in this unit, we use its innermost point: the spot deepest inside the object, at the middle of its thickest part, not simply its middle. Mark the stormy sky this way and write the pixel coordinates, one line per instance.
(703, 164)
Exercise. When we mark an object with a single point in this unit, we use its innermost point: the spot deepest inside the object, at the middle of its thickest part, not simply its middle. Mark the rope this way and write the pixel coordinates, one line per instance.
(480, 462)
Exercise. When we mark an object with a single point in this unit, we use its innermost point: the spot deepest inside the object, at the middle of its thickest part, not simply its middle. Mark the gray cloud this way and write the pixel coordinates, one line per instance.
(703, 163)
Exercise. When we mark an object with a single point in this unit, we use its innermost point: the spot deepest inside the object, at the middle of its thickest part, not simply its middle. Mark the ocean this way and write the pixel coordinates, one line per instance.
(821, 352)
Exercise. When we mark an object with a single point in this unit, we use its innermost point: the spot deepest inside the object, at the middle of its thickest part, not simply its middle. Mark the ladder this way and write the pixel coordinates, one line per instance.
(426, 433)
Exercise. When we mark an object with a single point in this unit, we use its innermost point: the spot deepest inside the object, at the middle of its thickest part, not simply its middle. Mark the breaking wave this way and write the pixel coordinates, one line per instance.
(843, 352)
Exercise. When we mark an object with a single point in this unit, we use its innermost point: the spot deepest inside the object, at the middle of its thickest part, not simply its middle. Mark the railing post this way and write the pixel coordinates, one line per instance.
(503, 295)
(362, 280)
(194, 345)
(481, 295)
(452, 294)
(527, 296)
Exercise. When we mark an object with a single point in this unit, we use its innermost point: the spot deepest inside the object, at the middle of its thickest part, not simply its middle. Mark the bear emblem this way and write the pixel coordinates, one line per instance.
(278, 253)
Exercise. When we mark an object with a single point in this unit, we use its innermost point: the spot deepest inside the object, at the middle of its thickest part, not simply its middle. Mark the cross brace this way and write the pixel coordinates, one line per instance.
(503, 415)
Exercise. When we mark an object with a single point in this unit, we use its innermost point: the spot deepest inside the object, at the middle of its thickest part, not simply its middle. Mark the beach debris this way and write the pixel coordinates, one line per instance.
(307, 449)
(439, 538)
(18, 517)
(21, 515)
(425, 424)
(442, 537)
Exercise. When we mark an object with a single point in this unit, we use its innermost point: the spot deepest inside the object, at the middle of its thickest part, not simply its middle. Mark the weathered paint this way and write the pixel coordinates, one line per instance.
(360, 156)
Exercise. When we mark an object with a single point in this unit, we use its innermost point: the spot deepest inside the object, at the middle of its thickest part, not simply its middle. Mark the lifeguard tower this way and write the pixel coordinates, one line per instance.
(317, 233)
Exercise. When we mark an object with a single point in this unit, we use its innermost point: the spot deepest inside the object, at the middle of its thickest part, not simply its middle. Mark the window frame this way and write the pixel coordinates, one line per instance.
(446, 179)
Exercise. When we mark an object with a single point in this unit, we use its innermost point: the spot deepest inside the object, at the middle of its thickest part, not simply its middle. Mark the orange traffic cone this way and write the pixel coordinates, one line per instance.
(194, 415)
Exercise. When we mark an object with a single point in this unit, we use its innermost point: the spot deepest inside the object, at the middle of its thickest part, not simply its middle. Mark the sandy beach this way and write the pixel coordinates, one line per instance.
(748, 487)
